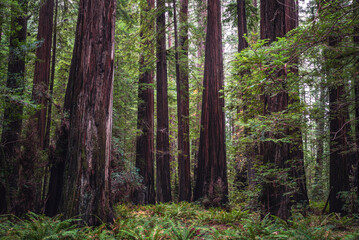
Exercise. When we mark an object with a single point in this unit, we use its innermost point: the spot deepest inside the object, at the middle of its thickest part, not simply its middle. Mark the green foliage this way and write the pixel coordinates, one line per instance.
(38, 227)
(182, 221)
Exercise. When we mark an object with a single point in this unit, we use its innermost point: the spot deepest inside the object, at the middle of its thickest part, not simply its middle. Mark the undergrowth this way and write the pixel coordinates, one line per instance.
(183, 221)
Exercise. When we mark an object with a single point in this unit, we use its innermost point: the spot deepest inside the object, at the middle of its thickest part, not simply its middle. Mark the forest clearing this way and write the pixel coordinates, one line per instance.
(154, 119)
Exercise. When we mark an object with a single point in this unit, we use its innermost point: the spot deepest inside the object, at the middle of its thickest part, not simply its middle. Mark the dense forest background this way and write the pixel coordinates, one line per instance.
(226, 103)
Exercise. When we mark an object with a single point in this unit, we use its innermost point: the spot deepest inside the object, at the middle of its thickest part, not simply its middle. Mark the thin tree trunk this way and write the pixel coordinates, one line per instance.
(30, 184)
(145, 120)
(339, 157)
(163, 180)
(200, 53)
(12, 121)
(241, 177)
(212, 184)
(50, 102)
(356, 88)
(42, 69)
(339, 139)
(242, 25)
(184, 171)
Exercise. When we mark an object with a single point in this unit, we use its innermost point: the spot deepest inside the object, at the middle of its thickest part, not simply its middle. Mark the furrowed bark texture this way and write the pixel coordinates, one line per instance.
(277, 18)
(30, 185)
(42, 68)
(242, 24)
(163, 183)
(12, 121)
(184, 164)
(211, 183)
(52, 80)
(145, 119)
(89, 100)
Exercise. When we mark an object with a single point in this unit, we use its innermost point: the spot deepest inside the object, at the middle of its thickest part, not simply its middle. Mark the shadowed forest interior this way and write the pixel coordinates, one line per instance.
(182, 119)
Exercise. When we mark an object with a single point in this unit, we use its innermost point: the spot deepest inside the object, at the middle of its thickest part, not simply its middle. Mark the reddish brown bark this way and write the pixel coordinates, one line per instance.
(242, 24)
(184, 170)
(56, 168)
(339, 146)
(30, 183)
(145, 120)
(211, 184)
(52, 79)
(42, 68)
(89, 101)
(163, 183)
(277, 18)
(12, 121)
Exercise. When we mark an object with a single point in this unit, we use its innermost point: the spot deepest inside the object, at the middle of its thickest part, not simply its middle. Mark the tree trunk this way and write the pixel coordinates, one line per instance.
(145, 120)
(163, 181)
(212, 184)
(356, 88)
(339, 160)
(89, 100)
(184, 169)
(242, 24)
(42, 69)
(201, 16)
(242, 178)
(12, 121)
(277, 18)
(30, 185)
(339, 157)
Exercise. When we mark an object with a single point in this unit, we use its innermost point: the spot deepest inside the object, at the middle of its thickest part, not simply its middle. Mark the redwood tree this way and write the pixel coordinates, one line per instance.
(211, 182)
(42, 68)
(356, 88)
(145, 120)
(89, 100)
(277, 18)
(12, 121)
(30, 185)
(163, 182)
(242, 24)
(184, 164)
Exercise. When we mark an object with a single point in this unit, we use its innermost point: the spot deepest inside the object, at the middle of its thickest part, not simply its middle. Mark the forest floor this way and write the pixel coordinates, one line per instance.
(183, 221)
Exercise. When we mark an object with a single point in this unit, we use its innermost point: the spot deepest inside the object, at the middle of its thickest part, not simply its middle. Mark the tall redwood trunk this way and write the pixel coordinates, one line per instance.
(339, 166)
(212, 184)
(42, 68)
(184, 170)
(12, 121)
(242, 24)
(52, 80)
(242, 177)
(356, 88)
(339, 124)
(145, 120)
(163, 182)
(277, 18)
(201, 16)
(339, 157)
(89, 98)
(30, 183)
